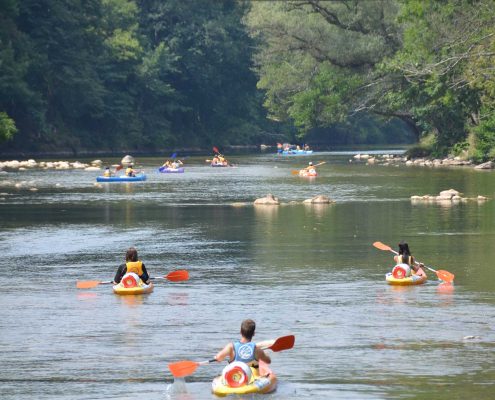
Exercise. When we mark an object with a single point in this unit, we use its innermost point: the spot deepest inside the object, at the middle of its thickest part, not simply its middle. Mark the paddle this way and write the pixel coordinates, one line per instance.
(180, 369)
(215, 150)
(296, 171)
(174, 276)
(443, 275)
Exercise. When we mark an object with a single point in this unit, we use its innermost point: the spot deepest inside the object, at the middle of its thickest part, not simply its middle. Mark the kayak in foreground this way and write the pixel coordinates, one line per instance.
(128, 285)
(262, 380)
(121, 178)
(410, 280)
(168, 170)
(219, 165)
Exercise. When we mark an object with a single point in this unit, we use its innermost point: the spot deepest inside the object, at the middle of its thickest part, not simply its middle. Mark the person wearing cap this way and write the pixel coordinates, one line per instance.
(405, 257)
(107, 172)
(310, 168)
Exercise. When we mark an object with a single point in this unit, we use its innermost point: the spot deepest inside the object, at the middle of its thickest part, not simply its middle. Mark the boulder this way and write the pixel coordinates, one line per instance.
(487, 165)
(318, 200)
(269, 200)
(448, 194)
(127, 160)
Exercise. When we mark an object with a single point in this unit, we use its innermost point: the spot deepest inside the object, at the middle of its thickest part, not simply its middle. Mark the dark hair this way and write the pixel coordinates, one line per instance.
(247, 328)
(131, 254)
(404, 249)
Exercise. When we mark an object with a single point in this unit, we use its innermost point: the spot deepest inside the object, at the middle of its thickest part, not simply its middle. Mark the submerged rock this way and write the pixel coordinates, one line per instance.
(269, 200)
(319, 200)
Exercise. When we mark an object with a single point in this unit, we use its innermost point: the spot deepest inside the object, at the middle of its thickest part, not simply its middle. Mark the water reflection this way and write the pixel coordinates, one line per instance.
(132, 301)
(178, 299)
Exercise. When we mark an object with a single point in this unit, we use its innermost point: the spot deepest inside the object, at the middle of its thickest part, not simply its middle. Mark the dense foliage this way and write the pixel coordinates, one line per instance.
(427, 62)
(136, 74)
(111, 74)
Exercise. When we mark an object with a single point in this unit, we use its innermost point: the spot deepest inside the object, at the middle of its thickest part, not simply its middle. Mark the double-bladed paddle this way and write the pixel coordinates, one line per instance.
(174, 276)
(443, 275)
(181, 369)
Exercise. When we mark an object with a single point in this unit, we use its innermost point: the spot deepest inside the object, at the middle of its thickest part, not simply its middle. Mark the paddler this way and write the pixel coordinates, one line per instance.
(176, 164)
(107, 172)
(130, 171)
(132, 265)
(310, 168)
(222, 160)
(244, 350)
(405, 257)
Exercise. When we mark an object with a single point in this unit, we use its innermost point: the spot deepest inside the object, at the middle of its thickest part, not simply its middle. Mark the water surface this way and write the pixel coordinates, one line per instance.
(306, 270)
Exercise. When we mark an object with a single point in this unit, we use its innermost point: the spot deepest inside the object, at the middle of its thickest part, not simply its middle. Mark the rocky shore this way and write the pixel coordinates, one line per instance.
(390, 159)
(15, 165)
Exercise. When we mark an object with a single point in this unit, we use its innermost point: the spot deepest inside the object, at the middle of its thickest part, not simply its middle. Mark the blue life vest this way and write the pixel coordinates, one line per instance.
(244, 352)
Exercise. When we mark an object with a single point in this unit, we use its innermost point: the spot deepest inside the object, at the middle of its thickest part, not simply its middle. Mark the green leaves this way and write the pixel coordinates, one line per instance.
(7, 127)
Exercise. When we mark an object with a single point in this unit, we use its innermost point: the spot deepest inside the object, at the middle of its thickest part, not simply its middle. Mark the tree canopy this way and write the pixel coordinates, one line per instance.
(134, 74)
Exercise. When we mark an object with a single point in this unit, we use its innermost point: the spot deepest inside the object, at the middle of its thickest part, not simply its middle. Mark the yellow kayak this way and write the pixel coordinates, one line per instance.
(142, 288)
(410, 280)
(266, 383)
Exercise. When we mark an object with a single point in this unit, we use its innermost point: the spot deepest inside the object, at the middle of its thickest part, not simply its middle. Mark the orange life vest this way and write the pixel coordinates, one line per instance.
(135, 266)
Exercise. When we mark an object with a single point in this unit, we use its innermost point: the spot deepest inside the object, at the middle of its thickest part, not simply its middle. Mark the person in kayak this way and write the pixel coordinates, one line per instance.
(244, 350)
(132, 264)
(107, 172)
(405, 257)
(130, 171)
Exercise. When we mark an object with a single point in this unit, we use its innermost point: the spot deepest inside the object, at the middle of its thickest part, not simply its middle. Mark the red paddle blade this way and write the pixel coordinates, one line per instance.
(180, 369)
(381, 246)
(119, 168)
(445, 276)
(177, 276)
(215, 149)
(87, 284)
(283, 343)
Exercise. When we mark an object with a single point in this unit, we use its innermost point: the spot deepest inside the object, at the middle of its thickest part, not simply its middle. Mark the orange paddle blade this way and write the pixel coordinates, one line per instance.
(180, 369)
(381, 246)
(87, 284)
(445, 276)
(177, 276)
(295, 172)
(283, 343)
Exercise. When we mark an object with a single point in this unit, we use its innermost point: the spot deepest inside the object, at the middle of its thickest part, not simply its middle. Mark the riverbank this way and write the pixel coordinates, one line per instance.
(231, 149)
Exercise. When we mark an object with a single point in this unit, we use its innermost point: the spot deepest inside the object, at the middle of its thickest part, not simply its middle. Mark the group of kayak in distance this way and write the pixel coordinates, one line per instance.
(287, 149)
(247, 370)
(174, 165)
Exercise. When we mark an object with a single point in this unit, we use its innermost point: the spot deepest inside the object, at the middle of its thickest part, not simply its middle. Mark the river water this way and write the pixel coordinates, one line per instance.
(295, 269)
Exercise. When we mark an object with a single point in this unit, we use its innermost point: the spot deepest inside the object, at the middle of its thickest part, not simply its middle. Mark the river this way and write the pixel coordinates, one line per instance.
(295, 269)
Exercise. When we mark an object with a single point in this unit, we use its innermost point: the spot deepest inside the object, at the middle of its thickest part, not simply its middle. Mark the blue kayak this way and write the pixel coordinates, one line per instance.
(168, 170)
(295, 152)
(121, 178)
